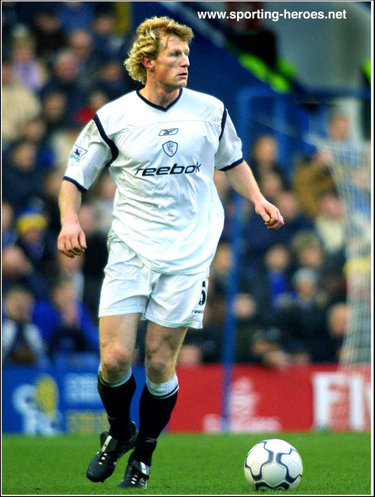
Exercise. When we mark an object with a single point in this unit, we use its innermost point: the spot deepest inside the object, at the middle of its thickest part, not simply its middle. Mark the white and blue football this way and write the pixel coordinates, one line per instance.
(273, 464)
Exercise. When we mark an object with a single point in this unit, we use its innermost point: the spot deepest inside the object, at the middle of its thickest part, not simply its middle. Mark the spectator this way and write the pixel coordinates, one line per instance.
(329, 223)
(295, 220)
(245, 307)
(333, 285)
(18, 270)
(271, 183)
(35, 131)
(313, 177)
(19, 104)
(48, 33)
(308, 250)
(311, 180)
(107, 42)
(71, 269)
(22, 342)
(337, 320)
(22, 178)
(266, 348)
(112, 79)
(81, 45)
(246, 312)
(264, 159)
(65, 80)
(256, 343)
(29, 70)
(303, 322)
(54, 112)
(270, 283)
(35, 240)
(65, 323)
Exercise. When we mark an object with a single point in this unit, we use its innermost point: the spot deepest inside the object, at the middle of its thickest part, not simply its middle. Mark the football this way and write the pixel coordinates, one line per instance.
(273, 464)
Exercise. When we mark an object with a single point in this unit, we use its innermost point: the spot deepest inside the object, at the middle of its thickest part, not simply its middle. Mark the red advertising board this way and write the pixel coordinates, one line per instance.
(298, 398)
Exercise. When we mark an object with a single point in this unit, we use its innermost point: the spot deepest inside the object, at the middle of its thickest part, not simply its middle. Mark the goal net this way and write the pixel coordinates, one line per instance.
(351, 169)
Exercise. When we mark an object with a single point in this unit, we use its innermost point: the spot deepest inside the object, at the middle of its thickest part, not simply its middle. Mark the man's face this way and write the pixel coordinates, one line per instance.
(171, 64)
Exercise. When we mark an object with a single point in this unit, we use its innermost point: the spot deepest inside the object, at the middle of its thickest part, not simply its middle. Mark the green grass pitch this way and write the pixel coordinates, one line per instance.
(186, 464)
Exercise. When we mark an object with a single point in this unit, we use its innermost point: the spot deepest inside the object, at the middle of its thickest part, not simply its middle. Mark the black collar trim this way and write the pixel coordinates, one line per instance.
(159, 107)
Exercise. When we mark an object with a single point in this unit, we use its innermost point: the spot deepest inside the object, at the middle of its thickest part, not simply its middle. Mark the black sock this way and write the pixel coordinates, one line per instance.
(154, 414)
(116, 401)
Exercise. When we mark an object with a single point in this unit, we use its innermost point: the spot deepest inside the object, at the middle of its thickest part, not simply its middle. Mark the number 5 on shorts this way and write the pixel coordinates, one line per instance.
(203, 297)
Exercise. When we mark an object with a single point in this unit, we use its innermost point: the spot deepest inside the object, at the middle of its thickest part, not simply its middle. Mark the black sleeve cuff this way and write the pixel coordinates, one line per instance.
(80, 187)
(234, 164)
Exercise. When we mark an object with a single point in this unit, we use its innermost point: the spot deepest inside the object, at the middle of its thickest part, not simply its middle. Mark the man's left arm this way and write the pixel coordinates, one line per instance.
(242, 180)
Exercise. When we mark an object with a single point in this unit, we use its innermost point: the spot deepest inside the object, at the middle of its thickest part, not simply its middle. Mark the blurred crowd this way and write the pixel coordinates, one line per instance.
(61, 62)
(291, 306)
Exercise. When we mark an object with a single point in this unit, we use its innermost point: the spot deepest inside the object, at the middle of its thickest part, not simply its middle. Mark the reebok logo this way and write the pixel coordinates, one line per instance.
(164, 170)
(168, 132)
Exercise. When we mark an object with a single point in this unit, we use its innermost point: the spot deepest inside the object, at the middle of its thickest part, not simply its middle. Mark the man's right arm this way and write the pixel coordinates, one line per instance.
(71, 240)
(89, 155)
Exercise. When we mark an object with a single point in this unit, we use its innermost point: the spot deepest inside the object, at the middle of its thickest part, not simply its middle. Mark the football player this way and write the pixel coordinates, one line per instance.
(161, 145)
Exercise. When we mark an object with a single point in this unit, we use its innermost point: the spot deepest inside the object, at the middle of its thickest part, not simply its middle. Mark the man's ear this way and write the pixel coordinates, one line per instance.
(148, 63)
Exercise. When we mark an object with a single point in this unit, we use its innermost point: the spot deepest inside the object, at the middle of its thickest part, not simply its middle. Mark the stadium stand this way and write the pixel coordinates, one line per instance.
(58, 69)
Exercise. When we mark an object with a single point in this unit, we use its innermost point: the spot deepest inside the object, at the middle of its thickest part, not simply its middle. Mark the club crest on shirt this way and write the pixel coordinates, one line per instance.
(77, 153)
(170, 148)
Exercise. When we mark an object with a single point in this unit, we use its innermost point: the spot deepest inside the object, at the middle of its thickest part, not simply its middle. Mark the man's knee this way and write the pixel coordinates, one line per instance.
(162, 346)
(156, 364)
(117, 342)
(116, 360)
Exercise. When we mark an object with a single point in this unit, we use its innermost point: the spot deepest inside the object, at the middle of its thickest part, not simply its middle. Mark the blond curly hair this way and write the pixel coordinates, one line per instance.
(150, 34)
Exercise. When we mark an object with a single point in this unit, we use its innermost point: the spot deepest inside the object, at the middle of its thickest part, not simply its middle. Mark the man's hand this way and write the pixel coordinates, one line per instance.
(242, 180)
(71, 240)
(270, 214)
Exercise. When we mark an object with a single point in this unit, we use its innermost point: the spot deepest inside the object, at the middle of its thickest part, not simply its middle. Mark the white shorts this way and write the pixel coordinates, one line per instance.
(168, 300)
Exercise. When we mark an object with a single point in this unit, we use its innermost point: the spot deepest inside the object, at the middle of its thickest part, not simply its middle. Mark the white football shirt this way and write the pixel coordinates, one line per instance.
(166, 206)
